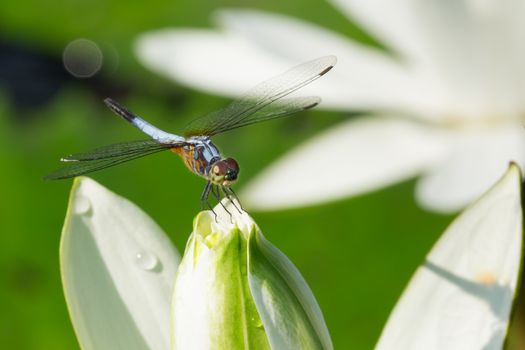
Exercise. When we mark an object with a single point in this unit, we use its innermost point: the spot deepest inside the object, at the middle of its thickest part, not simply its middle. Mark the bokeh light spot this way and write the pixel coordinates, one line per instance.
(82, 58)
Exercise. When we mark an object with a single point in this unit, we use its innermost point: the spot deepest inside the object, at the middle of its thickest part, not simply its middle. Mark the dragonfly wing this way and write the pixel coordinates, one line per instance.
(119, 149)
(282, 108)
(259, 97)
(105, 157)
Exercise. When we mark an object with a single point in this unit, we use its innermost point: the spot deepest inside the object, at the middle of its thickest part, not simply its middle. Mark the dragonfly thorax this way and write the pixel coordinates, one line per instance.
(203, 158)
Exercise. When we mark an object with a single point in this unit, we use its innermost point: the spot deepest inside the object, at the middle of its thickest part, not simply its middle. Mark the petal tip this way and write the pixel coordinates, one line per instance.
(515, 168)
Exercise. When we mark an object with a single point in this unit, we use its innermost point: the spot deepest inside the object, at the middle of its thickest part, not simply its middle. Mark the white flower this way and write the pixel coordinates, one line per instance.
(448, 101)
(235, 290)
(232, 290)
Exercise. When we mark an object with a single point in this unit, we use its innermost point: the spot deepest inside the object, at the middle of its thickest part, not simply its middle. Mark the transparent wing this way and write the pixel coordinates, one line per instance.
(121, 149)
(105, 157)
(262, 95)
(279, 109)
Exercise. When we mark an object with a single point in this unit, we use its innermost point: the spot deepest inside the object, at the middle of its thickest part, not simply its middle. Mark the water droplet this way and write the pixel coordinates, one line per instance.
(256, 322)
(146, 261)
(82, 205)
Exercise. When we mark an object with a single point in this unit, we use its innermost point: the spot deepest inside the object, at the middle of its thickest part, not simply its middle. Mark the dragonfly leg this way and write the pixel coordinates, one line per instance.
(205, 198)
(228, 192)
(216, 192)
(204, 195)
(213, 211)
(236, 198)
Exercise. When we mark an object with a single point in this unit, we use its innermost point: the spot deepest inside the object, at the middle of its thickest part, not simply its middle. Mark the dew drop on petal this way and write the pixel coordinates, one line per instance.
(257, 322)
(146, 261)
(82, 205)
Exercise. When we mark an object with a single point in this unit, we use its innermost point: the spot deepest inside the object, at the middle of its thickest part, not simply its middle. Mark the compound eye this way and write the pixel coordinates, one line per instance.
(231, 175)
(219, 168)
(232, 165)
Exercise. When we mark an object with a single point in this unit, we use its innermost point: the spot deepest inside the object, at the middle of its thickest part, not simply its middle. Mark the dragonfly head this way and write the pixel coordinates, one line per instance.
(224, 172)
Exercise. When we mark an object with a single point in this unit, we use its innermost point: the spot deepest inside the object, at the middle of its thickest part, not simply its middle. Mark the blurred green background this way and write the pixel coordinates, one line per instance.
(356, 254)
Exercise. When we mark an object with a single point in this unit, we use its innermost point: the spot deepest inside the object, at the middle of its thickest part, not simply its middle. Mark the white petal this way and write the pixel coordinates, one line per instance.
(363, 78)
(289, 312)
(461, 297)
(213, 61)
(246, 52)
(477, 159)
(393, 22)
(470, 52)
(118, 269)
(212, 305)
(478, 52)
(349, 159)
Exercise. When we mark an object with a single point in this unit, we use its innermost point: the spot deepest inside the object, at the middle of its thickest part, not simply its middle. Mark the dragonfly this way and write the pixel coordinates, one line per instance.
(201, 156)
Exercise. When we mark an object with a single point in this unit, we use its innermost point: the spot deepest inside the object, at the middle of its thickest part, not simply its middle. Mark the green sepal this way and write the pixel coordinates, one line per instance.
(290, 314)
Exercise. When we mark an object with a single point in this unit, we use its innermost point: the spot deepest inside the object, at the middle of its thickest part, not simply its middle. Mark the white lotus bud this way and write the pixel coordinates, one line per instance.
(235, 290)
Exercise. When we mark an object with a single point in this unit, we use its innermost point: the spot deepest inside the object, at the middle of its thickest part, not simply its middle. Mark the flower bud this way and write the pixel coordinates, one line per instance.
(235, 290)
